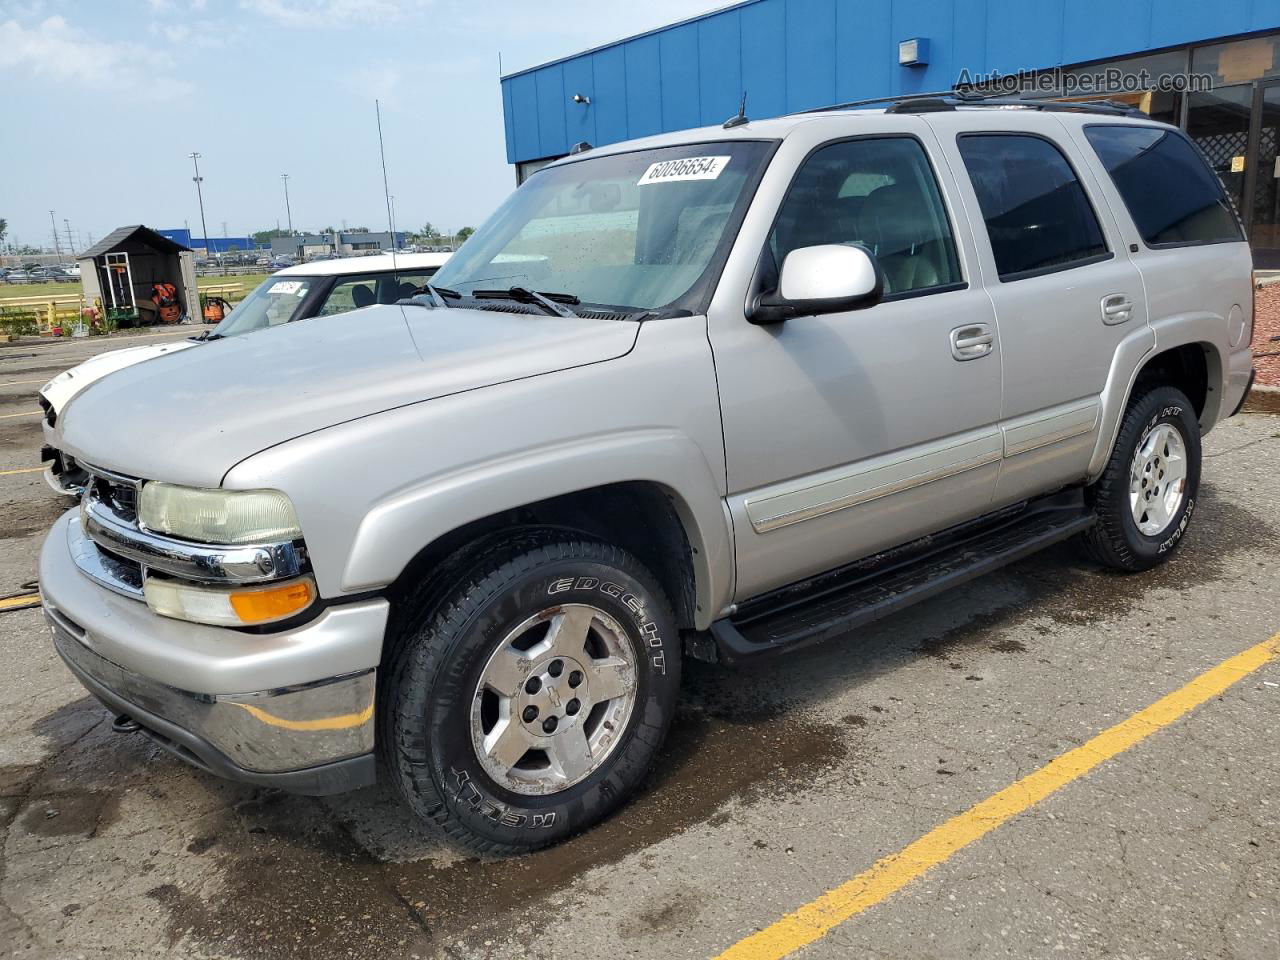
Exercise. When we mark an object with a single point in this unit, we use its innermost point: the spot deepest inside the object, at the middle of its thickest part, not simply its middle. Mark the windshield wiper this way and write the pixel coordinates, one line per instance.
(553, 303)
(430, 298)
(439, 294)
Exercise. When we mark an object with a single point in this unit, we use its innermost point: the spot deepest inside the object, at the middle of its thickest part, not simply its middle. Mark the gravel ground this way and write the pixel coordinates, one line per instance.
(1266, 324)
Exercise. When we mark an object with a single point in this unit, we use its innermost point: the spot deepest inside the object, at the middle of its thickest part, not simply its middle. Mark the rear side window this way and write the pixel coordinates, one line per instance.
(1038, 216)
(1172, 195)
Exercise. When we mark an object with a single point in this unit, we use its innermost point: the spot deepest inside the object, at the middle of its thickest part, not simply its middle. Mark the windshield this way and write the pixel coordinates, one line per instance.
(633, 231)
(273, 302)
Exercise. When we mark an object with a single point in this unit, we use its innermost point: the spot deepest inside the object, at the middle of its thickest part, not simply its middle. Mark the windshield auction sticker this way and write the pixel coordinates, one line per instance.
(285, 287)
(686, 168)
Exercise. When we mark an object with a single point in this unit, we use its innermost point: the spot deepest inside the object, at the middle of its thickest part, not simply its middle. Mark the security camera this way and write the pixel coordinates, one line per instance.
(579, 98)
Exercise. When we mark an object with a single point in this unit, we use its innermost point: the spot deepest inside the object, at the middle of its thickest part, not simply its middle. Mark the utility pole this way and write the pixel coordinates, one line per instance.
(195, 162)
(284, 177)
(57, 250)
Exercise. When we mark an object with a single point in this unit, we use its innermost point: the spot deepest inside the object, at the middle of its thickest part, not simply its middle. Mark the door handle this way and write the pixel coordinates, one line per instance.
(1116, 308)
(972, 341)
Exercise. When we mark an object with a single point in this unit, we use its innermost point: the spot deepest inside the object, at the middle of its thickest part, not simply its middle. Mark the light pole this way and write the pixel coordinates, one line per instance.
(57, 250)
(195, 162)
(284, 177)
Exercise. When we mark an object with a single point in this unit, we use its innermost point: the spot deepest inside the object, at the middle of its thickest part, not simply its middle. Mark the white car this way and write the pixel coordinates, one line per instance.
(321, 288)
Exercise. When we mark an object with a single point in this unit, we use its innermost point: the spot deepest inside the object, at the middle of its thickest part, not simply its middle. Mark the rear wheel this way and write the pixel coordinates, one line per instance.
(1146, 495)
(526, 701)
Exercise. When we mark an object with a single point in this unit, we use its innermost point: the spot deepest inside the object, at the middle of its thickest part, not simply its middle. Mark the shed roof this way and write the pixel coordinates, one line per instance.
(138, 232)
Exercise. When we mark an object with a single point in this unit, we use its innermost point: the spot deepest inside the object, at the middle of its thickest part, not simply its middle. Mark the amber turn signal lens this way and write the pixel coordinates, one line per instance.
(274, 603)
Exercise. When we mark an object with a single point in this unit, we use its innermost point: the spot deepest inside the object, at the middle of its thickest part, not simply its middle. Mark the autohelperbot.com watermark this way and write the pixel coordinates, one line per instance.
(1104, 80)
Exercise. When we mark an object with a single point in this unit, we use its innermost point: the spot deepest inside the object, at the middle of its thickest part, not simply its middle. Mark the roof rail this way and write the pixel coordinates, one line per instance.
(953, 99)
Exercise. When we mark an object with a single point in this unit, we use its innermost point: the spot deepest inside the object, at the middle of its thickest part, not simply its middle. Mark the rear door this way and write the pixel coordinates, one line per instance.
(1065, 292)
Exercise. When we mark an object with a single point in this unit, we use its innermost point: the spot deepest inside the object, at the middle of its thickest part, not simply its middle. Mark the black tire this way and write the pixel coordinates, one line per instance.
(444, 638)
(1115, 541)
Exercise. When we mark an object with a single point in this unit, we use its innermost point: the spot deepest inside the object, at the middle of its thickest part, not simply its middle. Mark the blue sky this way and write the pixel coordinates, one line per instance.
(105, 99)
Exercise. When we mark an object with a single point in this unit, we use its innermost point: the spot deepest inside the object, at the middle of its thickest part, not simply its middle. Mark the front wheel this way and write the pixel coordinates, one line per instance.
(527, 701)
(1146, 495)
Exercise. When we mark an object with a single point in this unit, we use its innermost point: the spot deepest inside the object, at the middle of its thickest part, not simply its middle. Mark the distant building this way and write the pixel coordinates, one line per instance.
(211, 245)
(305, 246)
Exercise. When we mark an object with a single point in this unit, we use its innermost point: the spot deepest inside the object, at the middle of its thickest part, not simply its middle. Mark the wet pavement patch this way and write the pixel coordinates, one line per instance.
(751, 758)
(79, 813)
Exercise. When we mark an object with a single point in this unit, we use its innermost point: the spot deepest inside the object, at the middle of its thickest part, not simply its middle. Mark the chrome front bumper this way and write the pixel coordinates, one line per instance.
(307, 724)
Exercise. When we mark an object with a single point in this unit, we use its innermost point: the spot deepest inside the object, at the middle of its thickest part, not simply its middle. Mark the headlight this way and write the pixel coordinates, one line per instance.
(217, 516)
(228, 607)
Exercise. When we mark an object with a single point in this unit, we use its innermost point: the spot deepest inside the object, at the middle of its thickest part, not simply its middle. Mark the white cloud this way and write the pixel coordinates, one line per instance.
(334, 13)
(52, 50)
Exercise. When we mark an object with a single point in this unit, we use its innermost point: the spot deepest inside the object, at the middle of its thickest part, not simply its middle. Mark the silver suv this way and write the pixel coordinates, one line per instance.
(716, 394)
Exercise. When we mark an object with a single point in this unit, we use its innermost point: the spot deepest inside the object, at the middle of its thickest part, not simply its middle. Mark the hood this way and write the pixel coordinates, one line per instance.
(189, 417)
(70, 382)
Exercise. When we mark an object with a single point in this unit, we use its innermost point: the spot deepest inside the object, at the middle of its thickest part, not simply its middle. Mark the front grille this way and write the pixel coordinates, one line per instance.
(120, 495)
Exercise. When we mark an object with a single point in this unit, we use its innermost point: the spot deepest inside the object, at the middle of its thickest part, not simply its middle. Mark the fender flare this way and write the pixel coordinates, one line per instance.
(397, 528)
(1132, 356)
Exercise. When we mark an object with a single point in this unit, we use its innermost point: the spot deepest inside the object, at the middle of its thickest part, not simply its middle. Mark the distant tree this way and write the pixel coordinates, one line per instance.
(4, 228)
(266, 236)
(233, 248)
(465, 232)
(356, 230)
(428, 230)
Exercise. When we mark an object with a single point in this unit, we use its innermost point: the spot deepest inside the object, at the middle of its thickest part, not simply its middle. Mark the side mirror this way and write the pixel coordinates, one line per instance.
(829, 278)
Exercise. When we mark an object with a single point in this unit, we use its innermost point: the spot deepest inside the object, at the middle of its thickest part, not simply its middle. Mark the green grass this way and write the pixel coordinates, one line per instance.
(22, 291)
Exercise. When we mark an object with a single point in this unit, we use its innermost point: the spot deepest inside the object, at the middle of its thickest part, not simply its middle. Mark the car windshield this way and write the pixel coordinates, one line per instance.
(273, 302)
(631, 231)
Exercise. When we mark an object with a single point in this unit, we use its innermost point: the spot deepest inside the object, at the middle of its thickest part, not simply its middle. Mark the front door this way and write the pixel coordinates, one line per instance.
(852, 432)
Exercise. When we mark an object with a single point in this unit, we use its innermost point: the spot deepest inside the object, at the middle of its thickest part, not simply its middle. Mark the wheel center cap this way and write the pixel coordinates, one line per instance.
(553, 696)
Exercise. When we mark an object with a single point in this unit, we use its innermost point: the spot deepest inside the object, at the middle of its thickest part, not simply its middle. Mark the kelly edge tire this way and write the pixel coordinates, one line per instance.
(444, 646)
(1116, 541)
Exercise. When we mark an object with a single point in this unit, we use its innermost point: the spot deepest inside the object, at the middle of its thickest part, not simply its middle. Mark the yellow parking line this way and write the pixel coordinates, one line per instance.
(6, 473)
(14, 383)
(817, 918)
(17, 603)
(29, 413)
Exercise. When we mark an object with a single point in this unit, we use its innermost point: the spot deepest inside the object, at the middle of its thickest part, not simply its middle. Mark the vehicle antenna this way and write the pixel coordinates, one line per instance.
(741, 118)
(386, 192)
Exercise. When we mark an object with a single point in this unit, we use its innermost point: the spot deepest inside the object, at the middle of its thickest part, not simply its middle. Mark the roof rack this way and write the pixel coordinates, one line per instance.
(954, 99)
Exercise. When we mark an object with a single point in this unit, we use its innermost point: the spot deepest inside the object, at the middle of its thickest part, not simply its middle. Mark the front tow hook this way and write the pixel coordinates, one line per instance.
(125, 724)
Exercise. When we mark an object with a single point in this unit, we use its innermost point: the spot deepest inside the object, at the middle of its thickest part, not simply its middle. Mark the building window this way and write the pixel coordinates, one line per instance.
(1038, 216)
(1239, 61)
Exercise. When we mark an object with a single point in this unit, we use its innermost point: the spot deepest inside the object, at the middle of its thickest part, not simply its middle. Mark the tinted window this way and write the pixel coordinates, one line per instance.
(1171, 194)
(880, 193)
(1038, 216)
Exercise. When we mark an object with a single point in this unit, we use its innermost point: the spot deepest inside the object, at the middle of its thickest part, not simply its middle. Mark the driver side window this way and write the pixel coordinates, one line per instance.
(880, 193)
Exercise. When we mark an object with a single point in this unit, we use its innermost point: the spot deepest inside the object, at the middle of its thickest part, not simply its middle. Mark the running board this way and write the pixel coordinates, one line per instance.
(838, 603)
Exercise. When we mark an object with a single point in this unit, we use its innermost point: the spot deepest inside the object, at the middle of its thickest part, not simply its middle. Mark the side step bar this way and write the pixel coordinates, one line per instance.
(835, 604)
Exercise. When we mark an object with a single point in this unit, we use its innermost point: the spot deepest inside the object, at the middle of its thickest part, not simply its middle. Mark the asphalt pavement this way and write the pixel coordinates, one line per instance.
(800, 785)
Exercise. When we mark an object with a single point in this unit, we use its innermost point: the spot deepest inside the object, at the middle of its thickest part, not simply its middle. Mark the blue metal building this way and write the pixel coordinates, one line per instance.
(212, 244)
(790, 55)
